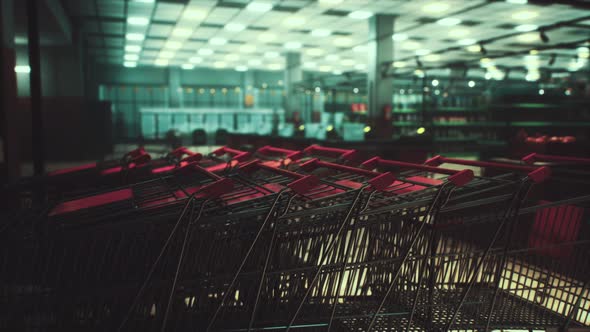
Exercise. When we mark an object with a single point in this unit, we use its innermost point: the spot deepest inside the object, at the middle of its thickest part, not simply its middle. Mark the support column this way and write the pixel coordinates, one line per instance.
(293, 74)
(174, 87)
(380, 88)
(38, 134)
(10, 158)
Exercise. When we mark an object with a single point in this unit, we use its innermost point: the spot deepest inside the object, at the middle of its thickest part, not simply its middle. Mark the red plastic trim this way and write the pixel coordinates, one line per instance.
(304, 184)
(540, 174)
(461, 178)
(382, 181)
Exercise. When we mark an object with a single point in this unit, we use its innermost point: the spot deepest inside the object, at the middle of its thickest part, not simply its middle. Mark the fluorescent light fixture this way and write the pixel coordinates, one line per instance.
(410, 45)
(457, 33)
(399, 64)
(419, 72)
(360, 48)
(294, 21)
(532, 76)
(237, 27)
(332, 57)
(219, 64)
(195, 59)
(141, 21)
(314, 52)
(337, 72)
(342, 41)
(275, 66)
(518, 2)
(528, 37)
(474, 48)
(255, 62)
(166, 55)
(205, 51)
(22, 69)
(259, 7)
(181, 32)
(467, 42)
(247, 48)
(196, 15)
(130, 64)
(360, 66)
(449, 21)
(145, 1)
(217, 41)
(360, 14)
(232, 57)
(329, 2)
(173, 45)
(432, 57)
(267, 37)
(436, 7)
(321, 32)
(423, 51)
(133, 48)
(187, 66)
(131, 57)
(161, 62)
(524, 15)
(241, 68)
(486, 62)
(135, 36)
(399, 37)
(309, 65)
(526, 27)
(347, 62)
(272, 54)
(292, 45)
(325, 68)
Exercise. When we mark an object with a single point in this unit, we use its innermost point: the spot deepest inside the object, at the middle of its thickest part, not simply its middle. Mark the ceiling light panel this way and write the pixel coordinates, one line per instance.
(169, 12)
(160, 30)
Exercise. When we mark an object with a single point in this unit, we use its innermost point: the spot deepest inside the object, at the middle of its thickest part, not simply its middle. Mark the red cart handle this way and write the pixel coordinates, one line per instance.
(135, 153)
(137, 156)
(237, 154)
(537, 174)
(534, 157)
(182, 151)
(457, 177)
(219, 187)
(288, 154)
(379, 181)
(344, 154)
(301, 185)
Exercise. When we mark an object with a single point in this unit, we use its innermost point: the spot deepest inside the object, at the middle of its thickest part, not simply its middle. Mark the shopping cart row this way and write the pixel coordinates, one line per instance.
(314, 239)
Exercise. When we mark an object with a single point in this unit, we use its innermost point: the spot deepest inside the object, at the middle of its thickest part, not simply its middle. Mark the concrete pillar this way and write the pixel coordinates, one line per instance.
(380, 88)
(174, 87)
(293, 74)
(9, 126)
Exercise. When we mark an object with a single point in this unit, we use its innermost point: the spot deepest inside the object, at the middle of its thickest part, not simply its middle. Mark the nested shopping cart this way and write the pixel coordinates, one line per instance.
(306, 257)
(96, 249)
(290, 159)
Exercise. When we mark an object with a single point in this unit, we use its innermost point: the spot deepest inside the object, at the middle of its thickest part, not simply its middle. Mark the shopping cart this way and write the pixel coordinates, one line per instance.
(303, 275)
(285, 158)
(104, 243)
